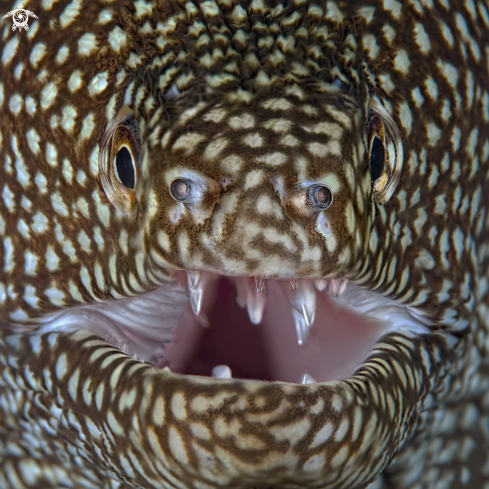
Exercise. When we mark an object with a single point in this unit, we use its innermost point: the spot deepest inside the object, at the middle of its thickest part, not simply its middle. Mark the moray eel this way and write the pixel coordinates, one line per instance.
(322, 163)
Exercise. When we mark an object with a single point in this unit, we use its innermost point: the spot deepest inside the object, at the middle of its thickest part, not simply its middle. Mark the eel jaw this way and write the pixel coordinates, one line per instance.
(194, 431)
(258, 328)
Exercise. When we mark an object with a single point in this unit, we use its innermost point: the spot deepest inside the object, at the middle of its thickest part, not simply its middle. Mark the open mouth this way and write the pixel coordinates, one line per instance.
(300, 331)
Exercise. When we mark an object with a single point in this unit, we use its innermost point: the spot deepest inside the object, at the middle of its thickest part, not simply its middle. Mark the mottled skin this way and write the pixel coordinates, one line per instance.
(76, 409)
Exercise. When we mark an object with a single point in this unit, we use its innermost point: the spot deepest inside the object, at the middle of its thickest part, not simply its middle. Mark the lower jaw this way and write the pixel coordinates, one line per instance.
(338, 342)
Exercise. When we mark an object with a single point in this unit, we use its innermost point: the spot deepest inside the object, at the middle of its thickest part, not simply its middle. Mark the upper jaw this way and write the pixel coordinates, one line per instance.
(192, 431)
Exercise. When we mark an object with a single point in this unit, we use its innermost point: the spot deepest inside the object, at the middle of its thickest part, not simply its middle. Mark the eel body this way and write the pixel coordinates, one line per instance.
(288, 140)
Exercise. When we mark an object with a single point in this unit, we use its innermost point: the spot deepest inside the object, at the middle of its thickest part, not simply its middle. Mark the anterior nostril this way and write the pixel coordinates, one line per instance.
(320, 196)
(180, 189)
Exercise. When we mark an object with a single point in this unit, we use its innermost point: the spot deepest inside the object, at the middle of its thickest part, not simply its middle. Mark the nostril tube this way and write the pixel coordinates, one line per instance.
(320, 196)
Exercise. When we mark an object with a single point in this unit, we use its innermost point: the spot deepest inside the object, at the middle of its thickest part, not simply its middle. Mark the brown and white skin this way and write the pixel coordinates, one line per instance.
(323, 164)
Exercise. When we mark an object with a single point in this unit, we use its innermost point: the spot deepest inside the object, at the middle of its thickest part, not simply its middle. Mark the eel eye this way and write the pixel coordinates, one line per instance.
(320, 196)
(180, 189)
(125, 167)
(386, 152)
(118, 162)
(376, 157)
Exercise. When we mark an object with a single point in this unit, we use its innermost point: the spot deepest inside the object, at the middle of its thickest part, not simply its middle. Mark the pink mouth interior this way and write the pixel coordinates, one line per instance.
(339, 340)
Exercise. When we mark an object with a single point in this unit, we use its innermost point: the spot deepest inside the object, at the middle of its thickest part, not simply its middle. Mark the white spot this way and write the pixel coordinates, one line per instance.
(30, 296)
(393, 7)
(254, 140)
(8, 255)
(417, 97)
(67, 170)
(431, 87)
(48, 94)
(445, 110)
(75, 81)
(178, 406)
(70, 13)
(433, 133)
(214, 148)
(15, 103)
(55, 296)
(289, 140)
(277, 104)
(405, 116)
(231, 164)
(449, 72)
(117, 39)
(87, 127)
(253, 178)
(9, 50)
(386, 82)
(38, 52)
(39, 223)
(30, 105)
(421, 38)
(370, 45)
(245, 121)
(187, 142)
(30, 263)
(103, 210)
(93, 160)
(321, 150)
(401, 62)
(68, 115)
(62, 55)
(163, 240)
(342, 430)
(323, 435)
(273, 159)
(216, 115)
(23, 228)
(159, 411)
(278, 125)
(265, 205)
(51, 155)
(8, 198)
(18, 71)
(58, 204)
(82, 206)
(98, 84)
(176, 446)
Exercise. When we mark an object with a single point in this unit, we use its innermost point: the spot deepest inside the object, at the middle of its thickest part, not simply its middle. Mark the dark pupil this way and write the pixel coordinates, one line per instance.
(125, 167)
(180, 189)
(376, 158)
(322, 195)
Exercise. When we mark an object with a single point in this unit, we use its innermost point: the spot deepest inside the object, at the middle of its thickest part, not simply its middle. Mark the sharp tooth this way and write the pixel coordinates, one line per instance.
(338, 286)
(320, 284)
(255, 303)
(196, 293)
(222, 372)
(307, 379)
(294, 284)
(193, 279)
(259, 284)
(196, 296)
(304, 309)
